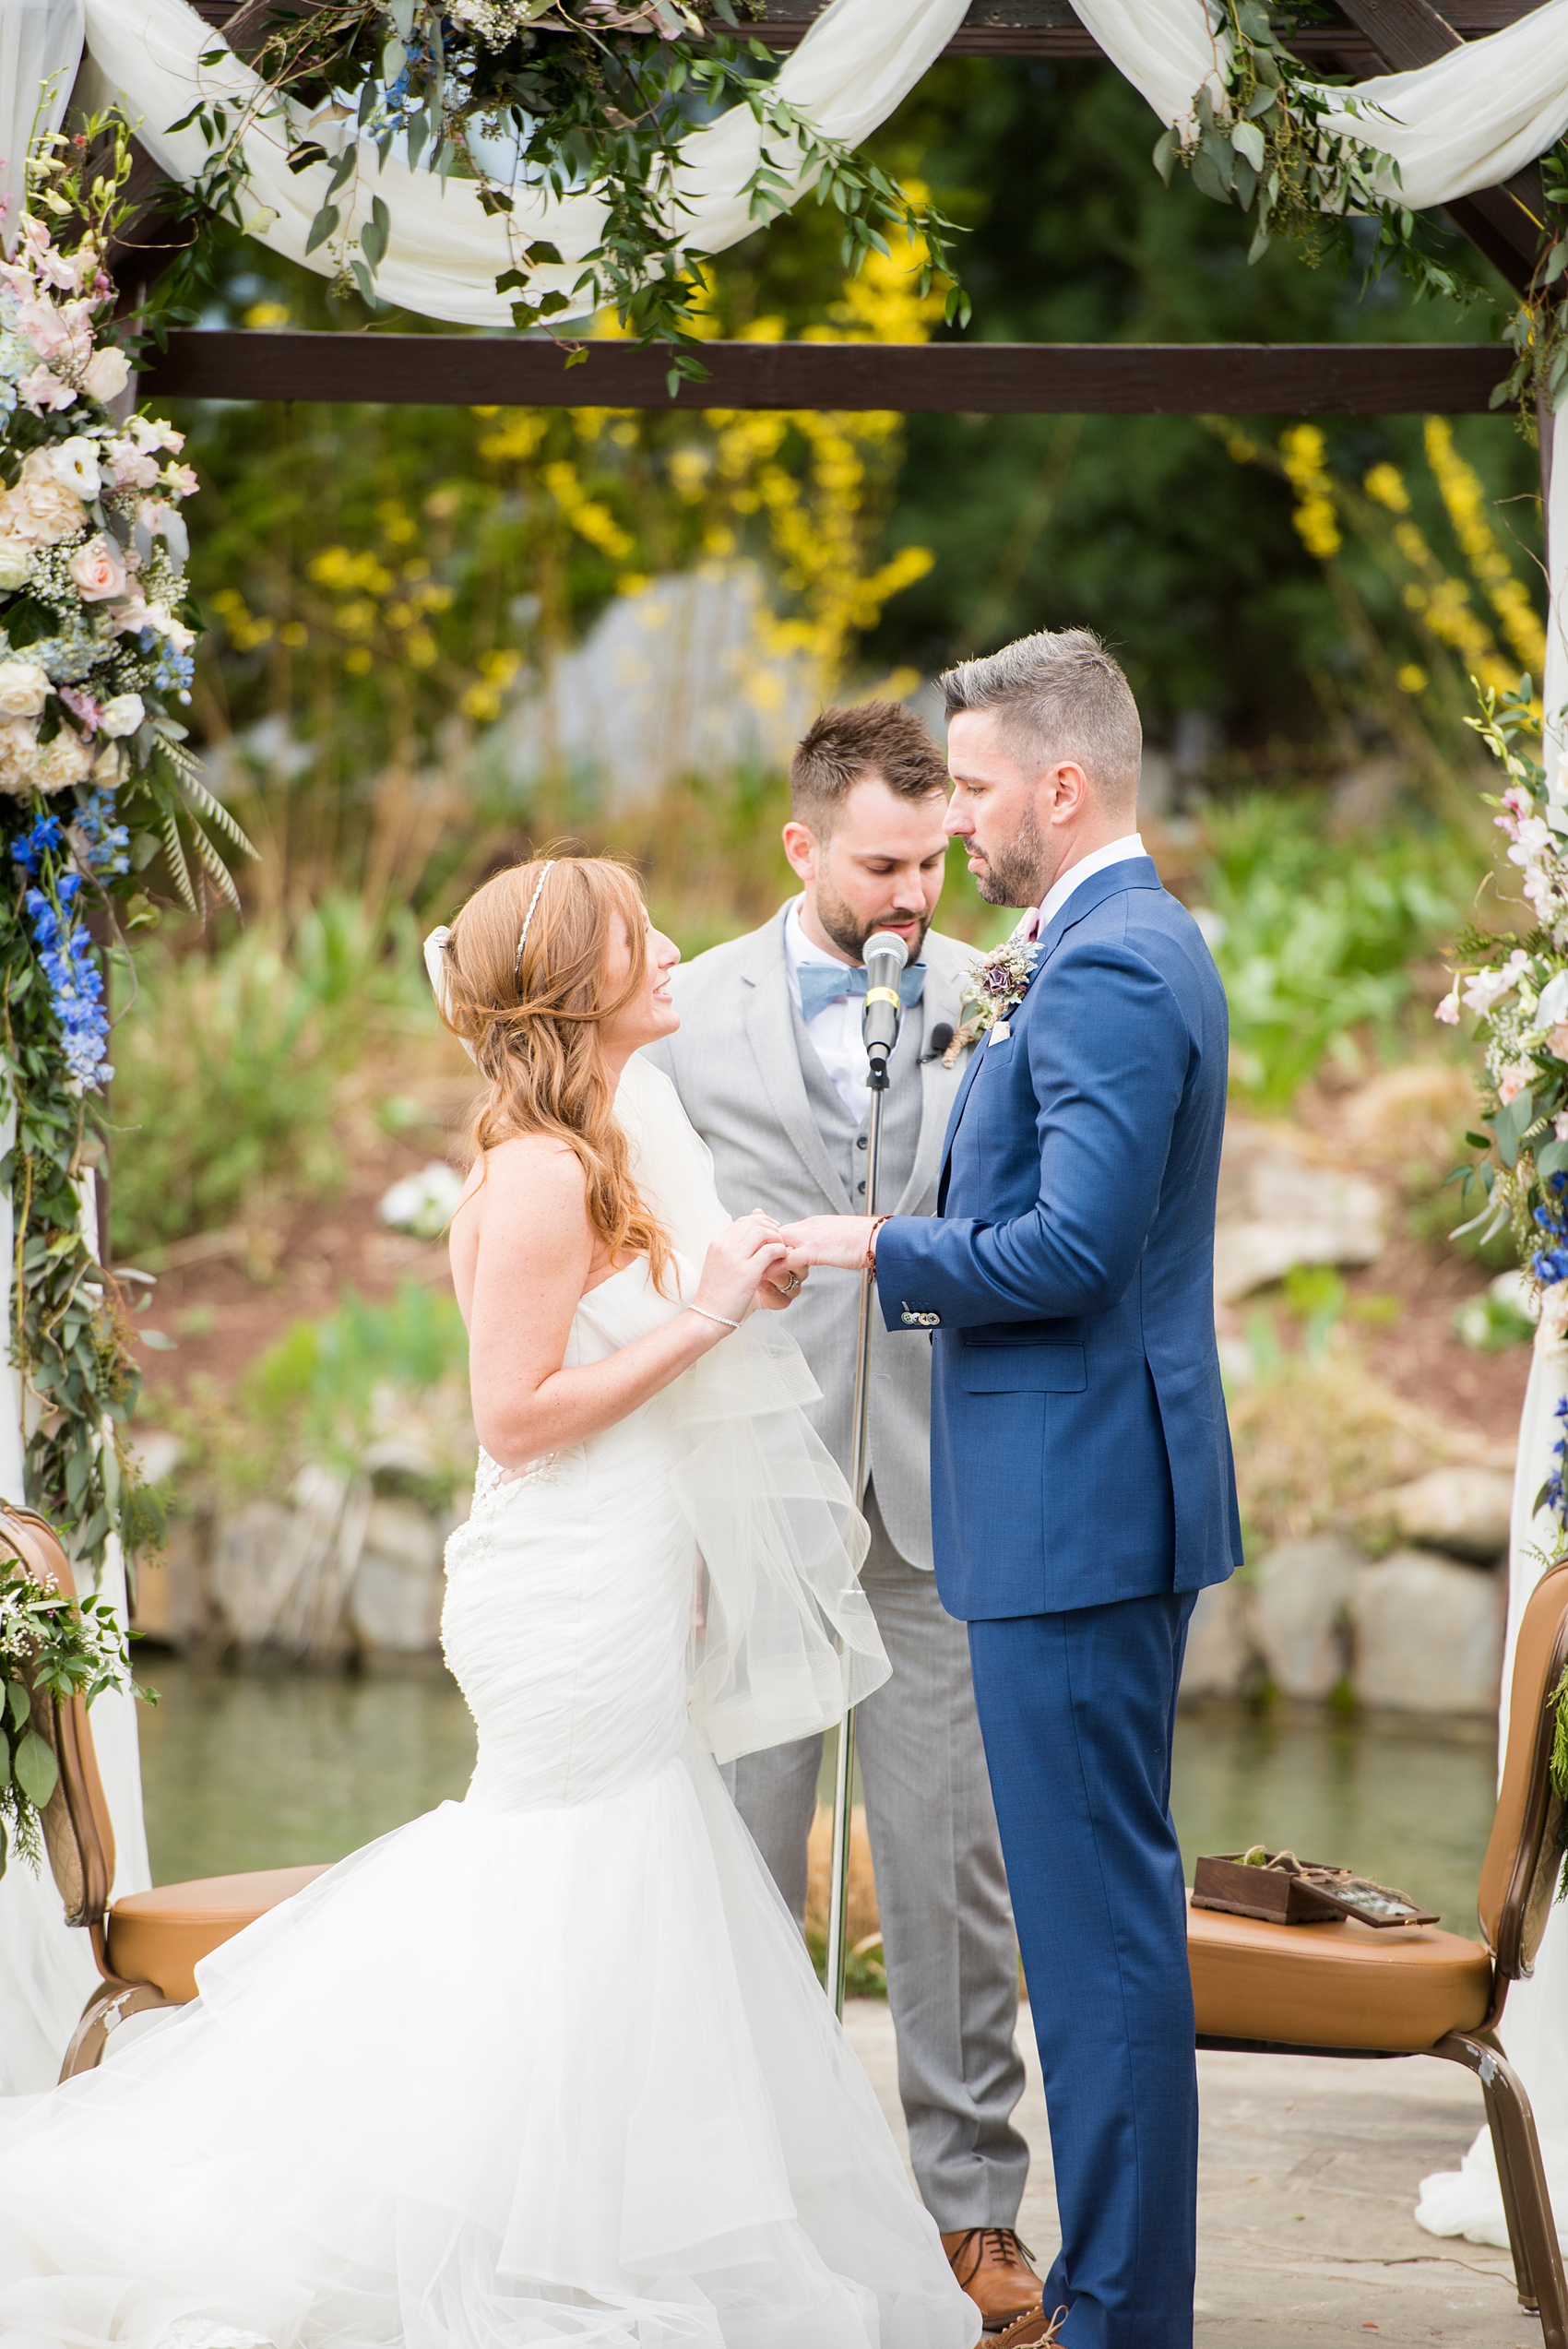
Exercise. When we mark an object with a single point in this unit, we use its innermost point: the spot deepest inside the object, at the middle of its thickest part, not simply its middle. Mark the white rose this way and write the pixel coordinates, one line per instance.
(121, 716)
(63, 762)
(19, 741)
(106, 374)
(15, 562)
(24, 689)
(74, 464)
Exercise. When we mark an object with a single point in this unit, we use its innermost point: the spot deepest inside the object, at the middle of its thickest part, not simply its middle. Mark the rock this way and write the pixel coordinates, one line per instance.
(1219, 1659)
(171, 1602)
(1278, 1209)
(1464, 1511)
(394, 1602)
(1428, 1635)
(1301, 1594)
(255, 1566)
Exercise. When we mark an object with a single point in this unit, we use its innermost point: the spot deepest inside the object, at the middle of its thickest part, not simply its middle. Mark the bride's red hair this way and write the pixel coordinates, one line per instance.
(531, 1020)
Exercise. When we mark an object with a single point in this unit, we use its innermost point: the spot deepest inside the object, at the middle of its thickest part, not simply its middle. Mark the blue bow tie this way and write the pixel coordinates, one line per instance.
(825, 983)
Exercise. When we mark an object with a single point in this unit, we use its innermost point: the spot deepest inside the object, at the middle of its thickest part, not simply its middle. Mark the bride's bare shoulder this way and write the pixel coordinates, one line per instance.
(532, 1168)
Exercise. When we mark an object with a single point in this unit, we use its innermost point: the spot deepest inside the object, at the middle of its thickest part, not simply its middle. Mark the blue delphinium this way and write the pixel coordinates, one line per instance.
(1549, 1263)
(76, 989)
(107, 844)
(42, 840)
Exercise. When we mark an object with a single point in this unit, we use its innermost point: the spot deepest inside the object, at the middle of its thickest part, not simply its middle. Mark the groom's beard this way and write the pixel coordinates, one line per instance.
(1012, 877)
(849, 933)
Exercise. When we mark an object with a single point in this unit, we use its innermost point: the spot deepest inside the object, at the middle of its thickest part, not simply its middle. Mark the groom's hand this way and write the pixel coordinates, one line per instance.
(840, 1241)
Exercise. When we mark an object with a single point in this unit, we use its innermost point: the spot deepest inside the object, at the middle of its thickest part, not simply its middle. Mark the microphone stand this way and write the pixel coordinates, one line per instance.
(844, 1764)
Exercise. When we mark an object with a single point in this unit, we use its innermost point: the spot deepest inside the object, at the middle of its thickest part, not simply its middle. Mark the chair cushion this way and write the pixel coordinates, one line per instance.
(1342, 1984)
(161, 1936)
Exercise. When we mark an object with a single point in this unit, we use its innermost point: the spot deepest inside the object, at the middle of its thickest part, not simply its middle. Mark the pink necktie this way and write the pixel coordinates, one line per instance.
(1028, 929)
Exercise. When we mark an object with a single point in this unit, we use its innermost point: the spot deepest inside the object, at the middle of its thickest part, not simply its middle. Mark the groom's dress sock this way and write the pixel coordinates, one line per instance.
(1078, 1710)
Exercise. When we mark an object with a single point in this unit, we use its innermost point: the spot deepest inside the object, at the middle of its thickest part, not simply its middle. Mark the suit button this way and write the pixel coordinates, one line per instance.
(860, 1140)
(861, 1187)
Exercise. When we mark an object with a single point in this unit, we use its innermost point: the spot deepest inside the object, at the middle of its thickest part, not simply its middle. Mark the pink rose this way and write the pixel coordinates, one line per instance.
(1509, 1085)
(99, 570)
(1557, 1041)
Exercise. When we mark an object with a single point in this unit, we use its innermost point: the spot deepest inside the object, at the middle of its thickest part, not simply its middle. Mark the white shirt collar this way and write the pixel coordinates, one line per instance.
(799, 948)
(1098, 860)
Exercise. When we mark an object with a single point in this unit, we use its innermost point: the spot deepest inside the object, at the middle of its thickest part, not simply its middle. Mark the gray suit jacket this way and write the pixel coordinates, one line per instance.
(735, 1062)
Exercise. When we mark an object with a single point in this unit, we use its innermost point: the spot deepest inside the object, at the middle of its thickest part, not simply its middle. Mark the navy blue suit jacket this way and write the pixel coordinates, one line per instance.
(1080, 1452)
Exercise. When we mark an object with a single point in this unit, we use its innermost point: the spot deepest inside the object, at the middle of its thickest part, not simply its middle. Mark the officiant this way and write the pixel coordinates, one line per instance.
(771, 1070)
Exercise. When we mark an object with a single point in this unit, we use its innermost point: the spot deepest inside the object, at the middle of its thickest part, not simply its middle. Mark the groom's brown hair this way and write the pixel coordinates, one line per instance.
(882, 739)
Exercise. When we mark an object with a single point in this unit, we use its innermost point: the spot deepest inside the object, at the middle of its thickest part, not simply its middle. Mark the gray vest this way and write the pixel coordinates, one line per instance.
(846, 1138)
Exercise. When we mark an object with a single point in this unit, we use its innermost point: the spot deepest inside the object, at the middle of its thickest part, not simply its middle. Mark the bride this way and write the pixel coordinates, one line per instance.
(549, 2065)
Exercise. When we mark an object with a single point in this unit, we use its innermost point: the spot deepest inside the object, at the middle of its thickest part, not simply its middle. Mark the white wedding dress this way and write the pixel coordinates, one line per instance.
(549, 2065)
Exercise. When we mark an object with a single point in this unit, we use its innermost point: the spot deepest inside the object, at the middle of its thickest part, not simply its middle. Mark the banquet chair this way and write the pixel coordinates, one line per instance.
(148, 1944)
(1347, 1988)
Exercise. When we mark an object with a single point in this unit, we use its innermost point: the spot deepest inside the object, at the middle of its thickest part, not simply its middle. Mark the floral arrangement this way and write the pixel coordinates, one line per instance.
(592, 96)
(96, 788)
(1516, 988)
(52, 1646)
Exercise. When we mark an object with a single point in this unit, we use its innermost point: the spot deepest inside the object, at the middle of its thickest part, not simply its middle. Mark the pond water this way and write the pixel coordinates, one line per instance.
(260, 1770)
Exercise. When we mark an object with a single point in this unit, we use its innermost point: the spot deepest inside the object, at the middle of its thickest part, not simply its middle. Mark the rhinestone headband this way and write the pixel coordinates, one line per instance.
(527, 918)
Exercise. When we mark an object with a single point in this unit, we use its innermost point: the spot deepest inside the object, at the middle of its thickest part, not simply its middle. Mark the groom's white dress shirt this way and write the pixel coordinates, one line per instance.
(836, 1031)
(1033, 925)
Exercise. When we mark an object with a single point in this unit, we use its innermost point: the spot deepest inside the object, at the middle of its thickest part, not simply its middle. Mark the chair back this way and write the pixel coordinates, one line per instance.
(1523, 1857)
(79, 1834)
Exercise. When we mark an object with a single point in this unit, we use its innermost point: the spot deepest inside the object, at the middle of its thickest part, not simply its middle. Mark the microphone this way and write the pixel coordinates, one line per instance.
(885, 955)
(940, 1037)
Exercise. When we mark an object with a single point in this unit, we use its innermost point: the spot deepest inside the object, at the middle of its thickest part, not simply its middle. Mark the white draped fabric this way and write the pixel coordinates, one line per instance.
(1466, 122)
(1475, 117)
(1467, 2202)
(40, 43)
(852, 68)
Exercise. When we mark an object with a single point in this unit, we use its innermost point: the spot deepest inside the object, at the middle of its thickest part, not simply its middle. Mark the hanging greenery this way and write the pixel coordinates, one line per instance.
(96, 786)
(568, 97)
(1267, 136)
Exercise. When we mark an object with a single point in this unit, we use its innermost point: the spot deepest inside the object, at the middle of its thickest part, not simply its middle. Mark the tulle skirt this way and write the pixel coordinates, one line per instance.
(547, 2066)
(553, 2076)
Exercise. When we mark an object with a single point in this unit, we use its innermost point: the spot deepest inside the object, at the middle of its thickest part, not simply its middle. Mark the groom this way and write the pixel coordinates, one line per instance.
(1082, 1483)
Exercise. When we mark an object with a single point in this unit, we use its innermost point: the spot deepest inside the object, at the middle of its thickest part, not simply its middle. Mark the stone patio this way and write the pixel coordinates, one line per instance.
(1308, 2179)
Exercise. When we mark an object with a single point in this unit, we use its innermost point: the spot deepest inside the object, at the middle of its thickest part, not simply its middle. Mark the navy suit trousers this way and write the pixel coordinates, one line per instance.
(1078, 1711)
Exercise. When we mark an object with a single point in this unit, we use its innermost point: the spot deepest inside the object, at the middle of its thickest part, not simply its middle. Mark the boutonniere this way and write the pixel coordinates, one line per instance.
(996, 987)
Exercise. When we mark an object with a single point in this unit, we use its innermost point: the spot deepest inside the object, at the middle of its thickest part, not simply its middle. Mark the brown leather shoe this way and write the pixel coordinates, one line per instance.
(1036, 2330)
(993, 2267)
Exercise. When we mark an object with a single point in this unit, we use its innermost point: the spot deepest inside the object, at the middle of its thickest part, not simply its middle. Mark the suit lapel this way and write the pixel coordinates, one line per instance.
(770, 1027)
(1133, 872)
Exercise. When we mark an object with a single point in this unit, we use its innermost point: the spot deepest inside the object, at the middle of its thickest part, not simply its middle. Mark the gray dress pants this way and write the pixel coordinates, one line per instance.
(942, 1891)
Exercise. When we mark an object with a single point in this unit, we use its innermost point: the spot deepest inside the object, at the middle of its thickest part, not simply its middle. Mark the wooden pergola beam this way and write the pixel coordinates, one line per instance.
(989, 379)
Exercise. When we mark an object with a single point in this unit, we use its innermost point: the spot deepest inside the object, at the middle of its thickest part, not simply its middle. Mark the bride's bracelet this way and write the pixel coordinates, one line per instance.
(722, 1318)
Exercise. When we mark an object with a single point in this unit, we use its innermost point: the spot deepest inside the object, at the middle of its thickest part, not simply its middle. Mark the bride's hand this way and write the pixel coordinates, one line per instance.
(737, 1265)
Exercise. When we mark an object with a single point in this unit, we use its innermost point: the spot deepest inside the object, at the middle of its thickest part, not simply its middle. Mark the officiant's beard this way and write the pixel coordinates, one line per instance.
(849, 931)
(1014, 875)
